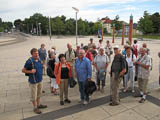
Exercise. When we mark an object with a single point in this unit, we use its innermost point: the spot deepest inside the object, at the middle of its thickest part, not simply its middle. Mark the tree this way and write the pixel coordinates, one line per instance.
(156, 22)
(117, 24)
(145, 23)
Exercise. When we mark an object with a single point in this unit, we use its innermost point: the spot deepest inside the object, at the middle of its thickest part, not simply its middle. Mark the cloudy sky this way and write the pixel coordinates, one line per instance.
(88, 9)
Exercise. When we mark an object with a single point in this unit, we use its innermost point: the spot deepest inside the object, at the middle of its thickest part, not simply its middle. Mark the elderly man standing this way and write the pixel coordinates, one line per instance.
(101, 63)
(91, 44)
(143, 62)
(84, 73)
(118, 69)
(70, 55)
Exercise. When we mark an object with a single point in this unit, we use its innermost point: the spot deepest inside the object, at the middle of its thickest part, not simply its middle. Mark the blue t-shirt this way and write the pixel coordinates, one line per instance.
(37, 77)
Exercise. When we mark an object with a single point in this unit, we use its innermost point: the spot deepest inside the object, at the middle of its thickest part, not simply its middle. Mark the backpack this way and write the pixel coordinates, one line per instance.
(50, 72)
(27, 74)
(123, 59)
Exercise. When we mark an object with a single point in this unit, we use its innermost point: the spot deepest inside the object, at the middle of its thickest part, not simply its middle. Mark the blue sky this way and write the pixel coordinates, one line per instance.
(88, 9)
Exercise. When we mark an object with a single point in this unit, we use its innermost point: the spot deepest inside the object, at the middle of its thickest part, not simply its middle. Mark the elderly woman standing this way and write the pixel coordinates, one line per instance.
(101, 63)
(43, 54)
(51, 63)
(63, 72)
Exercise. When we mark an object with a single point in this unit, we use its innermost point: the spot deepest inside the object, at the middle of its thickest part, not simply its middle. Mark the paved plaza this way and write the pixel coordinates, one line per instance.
(15, 92)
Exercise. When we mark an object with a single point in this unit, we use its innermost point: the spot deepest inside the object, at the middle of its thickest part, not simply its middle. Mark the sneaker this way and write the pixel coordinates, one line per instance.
(67, 101)
(42, 106)
(113, 104)
(138, 95)
(37, 111)
(81, 101)
(133, 91)
(142, 100)
(85, 103)
(61, 103)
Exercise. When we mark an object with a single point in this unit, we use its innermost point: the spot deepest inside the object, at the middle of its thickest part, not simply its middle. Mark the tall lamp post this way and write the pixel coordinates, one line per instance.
(76, 25)
(50, 34)
(39, 29)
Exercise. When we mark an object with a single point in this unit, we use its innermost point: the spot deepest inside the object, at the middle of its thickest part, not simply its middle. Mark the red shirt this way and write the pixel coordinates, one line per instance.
(89, 56)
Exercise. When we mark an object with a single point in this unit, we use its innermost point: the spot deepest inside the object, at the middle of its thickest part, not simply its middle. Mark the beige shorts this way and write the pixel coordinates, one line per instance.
(36, 91)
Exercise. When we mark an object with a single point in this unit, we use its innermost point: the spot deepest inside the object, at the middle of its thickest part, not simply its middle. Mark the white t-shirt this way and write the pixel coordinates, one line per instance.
(129, 60)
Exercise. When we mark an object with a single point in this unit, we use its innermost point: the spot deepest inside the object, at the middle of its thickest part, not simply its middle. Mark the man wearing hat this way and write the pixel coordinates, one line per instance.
(91, 44)
(118, 69)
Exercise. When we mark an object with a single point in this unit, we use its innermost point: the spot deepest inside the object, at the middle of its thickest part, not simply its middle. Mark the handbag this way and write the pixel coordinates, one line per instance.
(72, 82)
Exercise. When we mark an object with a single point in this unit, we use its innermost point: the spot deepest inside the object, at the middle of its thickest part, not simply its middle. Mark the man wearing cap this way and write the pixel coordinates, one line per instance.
(91, 44)
(118, 69)
(143, 62)
(101, 63)
(70, 55)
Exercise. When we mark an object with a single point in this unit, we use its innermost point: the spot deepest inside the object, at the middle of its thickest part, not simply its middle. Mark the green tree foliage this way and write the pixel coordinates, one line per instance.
(59, 25)
(145, 24)
(5, 26)
(117, 24)
(156, 22)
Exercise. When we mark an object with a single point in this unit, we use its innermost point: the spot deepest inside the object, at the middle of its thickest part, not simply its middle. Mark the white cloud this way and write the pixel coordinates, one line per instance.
(14, 9)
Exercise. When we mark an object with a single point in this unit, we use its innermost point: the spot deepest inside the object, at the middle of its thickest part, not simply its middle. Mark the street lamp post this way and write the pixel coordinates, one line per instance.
(76, 25)
(49, 27)
(39, 29)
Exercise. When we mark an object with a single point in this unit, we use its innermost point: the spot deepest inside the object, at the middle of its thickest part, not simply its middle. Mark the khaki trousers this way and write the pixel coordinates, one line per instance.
(142, 84)
(115, 88)
(63, 89)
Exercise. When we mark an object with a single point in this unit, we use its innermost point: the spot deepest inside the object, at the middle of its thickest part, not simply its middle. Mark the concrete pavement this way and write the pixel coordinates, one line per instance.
(15, 93)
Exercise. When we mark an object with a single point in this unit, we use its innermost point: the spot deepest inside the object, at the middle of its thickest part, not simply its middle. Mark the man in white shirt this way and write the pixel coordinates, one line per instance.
(101, 62)
(130, 58)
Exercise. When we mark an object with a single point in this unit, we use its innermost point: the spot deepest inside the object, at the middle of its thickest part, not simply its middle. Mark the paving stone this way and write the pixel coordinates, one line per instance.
(96, 113)
(148, 110)
(12, 115)
(113, 110)
(127, 115)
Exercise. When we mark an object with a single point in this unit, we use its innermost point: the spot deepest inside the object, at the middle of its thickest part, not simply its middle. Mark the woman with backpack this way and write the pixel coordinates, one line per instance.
(51, 66)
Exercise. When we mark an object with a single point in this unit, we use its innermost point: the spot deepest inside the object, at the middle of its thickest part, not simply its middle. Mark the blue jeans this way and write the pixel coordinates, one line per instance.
(129, 76)
(83, 96)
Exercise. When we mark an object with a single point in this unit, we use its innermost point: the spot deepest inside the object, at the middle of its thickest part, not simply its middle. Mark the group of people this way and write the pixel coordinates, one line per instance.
(81, 63)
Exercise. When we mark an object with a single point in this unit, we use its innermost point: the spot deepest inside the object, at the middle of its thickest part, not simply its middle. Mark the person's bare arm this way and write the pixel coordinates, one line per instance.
(24, 70)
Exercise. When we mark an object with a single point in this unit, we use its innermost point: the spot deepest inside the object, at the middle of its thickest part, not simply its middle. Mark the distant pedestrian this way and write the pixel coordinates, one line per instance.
(88, 54)
(63, 72)
(34, 69)
(70, 56)
(77, 50)
(43, 54)
(100, 44)
(143, 62)
(91, 44)
(108, 50)
(118, 69)
(84, 73)
(101, 63)
(135, 48)
(130, 58)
